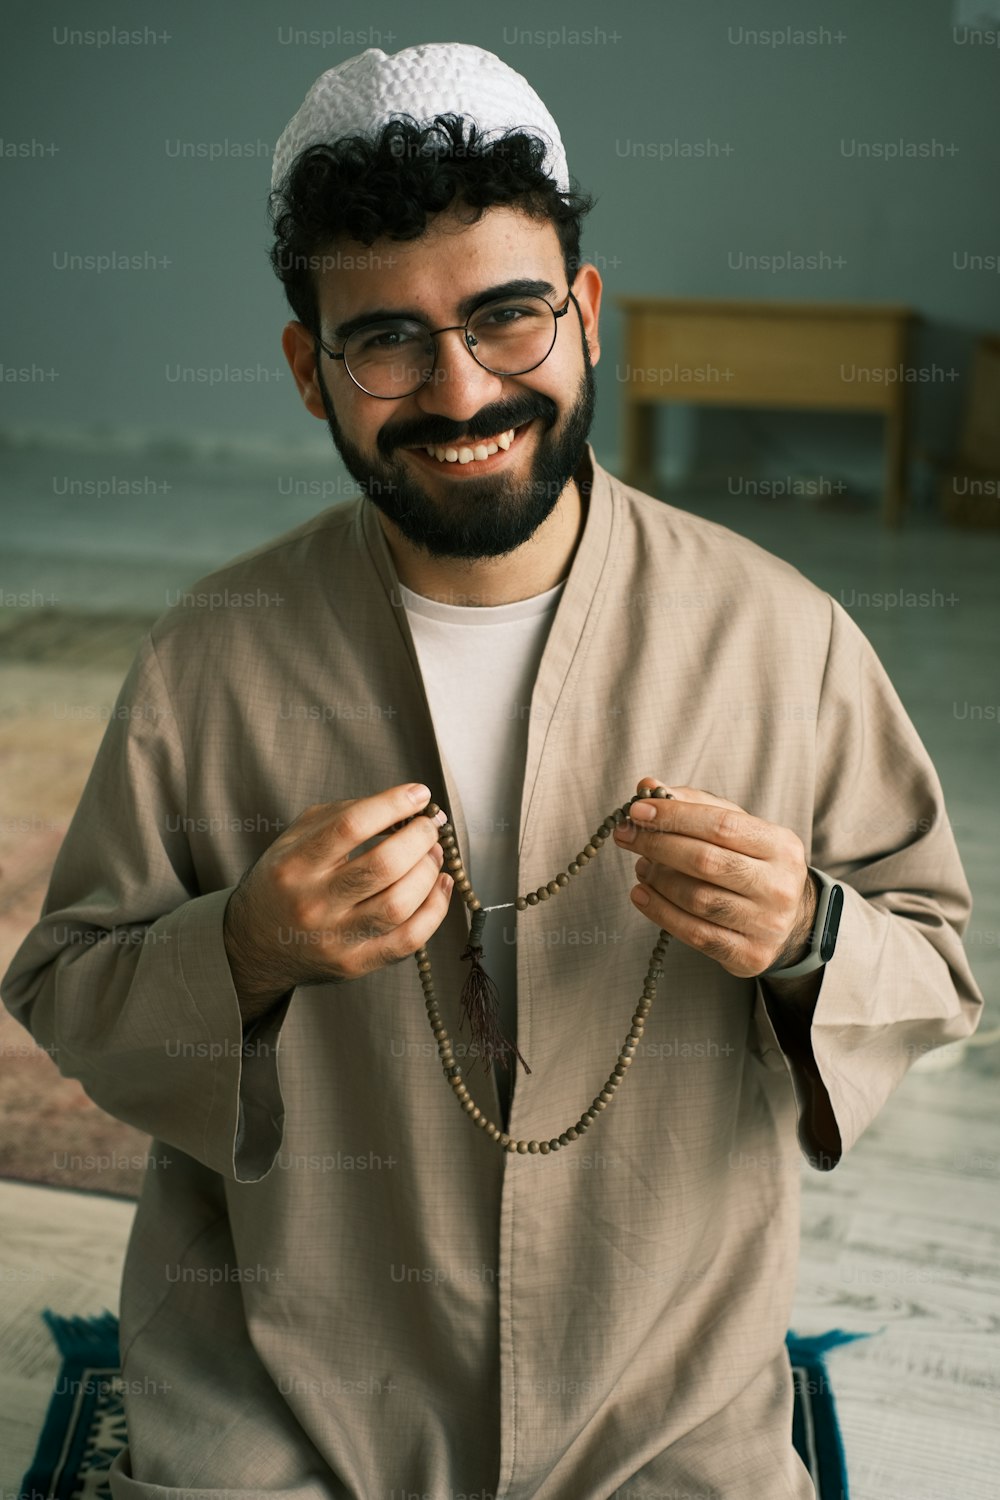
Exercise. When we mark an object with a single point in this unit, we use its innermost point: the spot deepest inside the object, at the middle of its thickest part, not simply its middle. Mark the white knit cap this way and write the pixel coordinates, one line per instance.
(359, 95)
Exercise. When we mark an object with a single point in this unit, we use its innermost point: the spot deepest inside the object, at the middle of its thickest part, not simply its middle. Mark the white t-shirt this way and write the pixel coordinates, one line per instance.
(479, 666)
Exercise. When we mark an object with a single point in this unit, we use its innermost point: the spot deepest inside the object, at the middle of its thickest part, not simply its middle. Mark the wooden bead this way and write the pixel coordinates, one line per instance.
(511, 1146)
(562, 878)
(545, 1147)
(532, 898)
(522, 1147)
(552, 887)
(589, 850)
(599, 1103)
(572, 1134)
(542, 893)
(533, 1147)
(520, 904)
(607, 1095)
(596, 842)
(573, 867)
(554, 1144)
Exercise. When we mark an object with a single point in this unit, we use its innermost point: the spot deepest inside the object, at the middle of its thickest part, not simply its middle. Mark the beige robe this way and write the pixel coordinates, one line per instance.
(338, 1286)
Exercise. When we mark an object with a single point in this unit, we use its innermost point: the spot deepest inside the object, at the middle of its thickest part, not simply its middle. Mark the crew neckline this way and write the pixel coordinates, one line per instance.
(481, 614)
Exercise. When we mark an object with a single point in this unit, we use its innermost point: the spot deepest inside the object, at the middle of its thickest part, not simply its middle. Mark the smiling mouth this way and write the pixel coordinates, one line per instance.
(471, 451)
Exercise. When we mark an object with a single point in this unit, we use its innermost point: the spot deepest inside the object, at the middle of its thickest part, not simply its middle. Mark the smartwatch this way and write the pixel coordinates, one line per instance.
(829, 906)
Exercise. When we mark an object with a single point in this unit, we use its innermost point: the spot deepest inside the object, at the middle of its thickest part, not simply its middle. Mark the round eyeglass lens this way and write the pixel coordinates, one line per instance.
(507, 337)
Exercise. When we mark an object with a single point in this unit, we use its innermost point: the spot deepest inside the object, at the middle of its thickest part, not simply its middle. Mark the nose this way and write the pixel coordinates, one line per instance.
(459, 387)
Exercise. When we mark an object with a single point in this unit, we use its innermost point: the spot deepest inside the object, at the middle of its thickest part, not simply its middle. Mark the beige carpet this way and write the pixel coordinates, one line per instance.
(59, 677)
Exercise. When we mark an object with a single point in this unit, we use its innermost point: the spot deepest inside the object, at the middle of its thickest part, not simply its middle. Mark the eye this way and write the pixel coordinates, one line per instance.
(384, 338)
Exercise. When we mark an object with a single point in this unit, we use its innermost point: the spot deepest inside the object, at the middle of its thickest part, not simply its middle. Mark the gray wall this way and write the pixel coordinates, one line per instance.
(780, 176)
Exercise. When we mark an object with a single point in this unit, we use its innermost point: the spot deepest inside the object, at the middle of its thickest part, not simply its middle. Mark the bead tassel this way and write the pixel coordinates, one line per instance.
(481, 1004)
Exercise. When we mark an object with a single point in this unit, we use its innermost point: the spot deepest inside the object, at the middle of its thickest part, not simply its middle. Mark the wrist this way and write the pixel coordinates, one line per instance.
(259, 981)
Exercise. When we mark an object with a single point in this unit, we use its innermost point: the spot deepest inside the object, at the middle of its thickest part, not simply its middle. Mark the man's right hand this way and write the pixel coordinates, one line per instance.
(306, 913)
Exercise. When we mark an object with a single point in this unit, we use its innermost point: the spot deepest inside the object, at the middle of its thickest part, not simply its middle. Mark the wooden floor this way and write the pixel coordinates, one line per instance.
(903, 1238)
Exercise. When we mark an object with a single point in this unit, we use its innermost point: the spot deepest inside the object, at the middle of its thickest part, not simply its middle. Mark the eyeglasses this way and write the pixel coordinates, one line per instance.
(396, 356)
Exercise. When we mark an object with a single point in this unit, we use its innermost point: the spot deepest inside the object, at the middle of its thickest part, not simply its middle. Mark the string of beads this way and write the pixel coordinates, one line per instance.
(452, 1071)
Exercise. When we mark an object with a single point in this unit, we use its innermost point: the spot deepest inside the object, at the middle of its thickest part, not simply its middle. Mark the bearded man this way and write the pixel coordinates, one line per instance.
(577, 1284)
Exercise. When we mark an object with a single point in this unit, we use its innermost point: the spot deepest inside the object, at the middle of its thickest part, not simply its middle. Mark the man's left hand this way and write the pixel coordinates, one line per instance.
(732, 886)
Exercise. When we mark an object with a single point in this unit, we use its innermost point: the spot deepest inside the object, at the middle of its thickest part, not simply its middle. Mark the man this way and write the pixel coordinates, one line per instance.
(337, 1286)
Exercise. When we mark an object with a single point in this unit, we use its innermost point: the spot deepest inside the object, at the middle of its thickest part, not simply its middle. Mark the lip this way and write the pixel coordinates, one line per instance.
(481, 466)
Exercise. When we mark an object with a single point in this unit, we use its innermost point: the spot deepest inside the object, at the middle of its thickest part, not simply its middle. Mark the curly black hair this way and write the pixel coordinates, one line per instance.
(363, 189)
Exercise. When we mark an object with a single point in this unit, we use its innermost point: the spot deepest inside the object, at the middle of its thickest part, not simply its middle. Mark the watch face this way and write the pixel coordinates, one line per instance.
(831, 926)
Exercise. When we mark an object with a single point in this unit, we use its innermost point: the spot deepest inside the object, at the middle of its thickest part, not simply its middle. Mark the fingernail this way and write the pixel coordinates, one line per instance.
(640, 897)
(642, 868)
(440, 818)
(419, 794)
(643, 812)
(625, 833)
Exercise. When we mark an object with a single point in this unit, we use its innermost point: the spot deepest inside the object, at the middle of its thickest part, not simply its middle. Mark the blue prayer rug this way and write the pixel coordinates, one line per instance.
(85, 1424)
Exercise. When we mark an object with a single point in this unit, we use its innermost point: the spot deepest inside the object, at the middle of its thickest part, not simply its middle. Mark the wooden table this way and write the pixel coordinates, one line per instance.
(825, 356)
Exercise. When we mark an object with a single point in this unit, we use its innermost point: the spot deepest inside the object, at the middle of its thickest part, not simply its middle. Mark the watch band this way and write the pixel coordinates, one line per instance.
(829, 905)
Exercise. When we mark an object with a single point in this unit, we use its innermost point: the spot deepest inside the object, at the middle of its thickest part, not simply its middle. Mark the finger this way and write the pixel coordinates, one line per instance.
(388, 861)
(709, 903)
(394, 904)
(701, 863)
(404, 940)
(344, 826)
(686, 794)
(736, 955)
(721, 823)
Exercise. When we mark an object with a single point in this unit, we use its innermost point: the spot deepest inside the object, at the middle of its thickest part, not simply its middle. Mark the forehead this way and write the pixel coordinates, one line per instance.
(453, 259)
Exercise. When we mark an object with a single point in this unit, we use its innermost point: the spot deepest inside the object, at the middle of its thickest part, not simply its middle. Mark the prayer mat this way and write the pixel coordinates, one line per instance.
(85, 1424)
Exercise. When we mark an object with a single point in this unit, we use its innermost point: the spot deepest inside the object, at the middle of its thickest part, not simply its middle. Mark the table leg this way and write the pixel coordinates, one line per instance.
(896, 477)
(639, 457)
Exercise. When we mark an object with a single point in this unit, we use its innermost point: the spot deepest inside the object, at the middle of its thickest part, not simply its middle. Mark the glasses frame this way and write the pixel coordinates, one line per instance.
(557, 313)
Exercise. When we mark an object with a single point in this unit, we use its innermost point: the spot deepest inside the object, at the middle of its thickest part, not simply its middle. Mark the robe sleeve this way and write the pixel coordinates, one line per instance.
(899, 983)
(125, 980)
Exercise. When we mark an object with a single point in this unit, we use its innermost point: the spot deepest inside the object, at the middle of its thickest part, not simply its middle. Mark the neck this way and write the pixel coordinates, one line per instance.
(542, 562)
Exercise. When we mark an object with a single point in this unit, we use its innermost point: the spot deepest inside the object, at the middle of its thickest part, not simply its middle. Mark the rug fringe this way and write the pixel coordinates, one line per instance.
(80, 1337)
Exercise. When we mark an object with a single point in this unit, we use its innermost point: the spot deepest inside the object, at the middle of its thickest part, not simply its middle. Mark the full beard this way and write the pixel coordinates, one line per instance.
(485, 518)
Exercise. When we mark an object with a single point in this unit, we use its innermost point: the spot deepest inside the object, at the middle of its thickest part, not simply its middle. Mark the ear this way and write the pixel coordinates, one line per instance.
(300, 351)
(587, 289)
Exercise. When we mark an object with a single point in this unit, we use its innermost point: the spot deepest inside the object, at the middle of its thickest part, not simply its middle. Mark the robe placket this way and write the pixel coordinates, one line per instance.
(550, 741)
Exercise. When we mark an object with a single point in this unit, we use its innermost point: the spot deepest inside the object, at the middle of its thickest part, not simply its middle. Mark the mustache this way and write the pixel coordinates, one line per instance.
(492, 419)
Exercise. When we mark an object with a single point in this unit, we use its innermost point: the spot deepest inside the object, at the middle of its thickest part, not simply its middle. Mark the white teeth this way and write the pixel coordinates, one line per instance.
(467, 455)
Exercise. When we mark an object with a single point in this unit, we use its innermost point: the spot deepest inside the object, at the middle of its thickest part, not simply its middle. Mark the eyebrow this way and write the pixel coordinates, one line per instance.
(521, 287)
